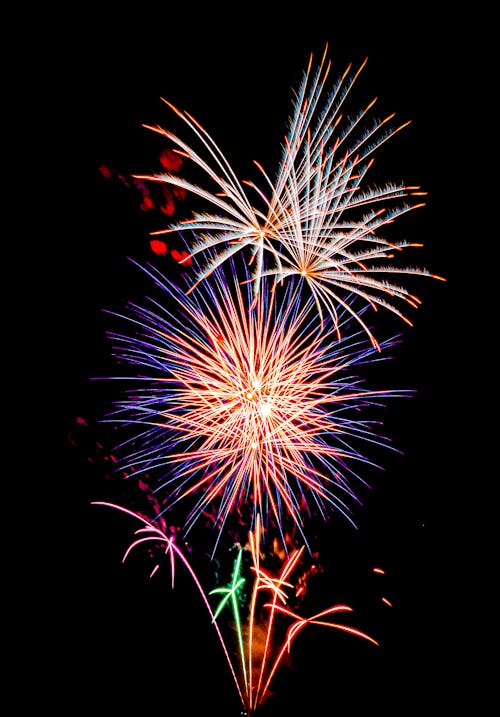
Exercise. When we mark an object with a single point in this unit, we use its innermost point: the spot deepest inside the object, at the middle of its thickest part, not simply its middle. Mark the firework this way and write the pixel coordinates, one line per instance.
(318, 220)
(241, 402)
(244, 405)
(257, 663)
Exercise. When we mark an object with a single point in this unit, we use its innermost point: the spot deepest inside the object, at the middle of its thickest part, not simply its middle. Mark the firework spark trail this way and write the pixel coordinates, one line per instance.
(250, 696)
(154, 533)
(319, 222)
(244, 401)
(276, 585)
(231, 593)
(263, 581)
(299, 624)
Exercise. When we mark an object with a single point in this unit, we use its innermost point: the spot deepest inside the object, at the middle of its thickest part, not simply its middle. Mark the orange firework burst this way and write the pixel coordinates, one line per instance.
(244, 402)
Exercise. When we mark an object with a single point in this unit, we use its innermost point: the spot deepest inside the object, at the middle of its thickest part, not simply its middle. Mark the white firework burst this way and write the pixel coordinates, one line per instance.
(318, 220)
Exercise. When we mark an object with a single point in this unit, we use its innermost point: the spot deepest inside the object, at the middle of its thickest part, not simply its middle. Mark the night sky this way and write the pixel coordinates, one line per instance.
(127, 644)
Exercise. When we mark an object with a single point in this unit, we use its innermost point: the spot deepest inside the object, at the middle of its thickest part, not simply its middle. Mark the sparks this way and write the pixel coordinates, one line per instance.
(318, 220)
(257, 666)
(239, 401)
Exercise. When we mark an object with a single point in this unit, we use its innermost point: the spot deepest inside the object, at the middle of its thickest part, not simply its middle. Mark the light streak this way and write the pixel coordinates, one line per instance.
(152, 532)
(251, 695)
(318, 220)
(236, 401)
(242, 394)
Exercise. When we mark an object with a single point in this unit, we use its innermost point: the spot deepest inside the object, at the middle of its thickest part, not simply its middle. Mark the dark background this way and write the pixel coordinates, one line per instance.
(124, 643)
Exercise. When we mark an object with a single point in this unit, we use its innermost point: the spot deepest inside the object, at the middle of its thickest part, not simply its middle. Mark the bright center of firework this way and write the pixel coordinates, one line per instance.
(258, 400)
(265, 408)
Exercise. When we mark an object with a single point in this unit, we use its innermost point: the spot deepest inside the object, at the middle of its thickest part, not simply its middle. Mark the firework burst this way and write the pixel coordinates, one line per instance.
(242, 411)
(318, 220)
(244, 403)
(258, 658)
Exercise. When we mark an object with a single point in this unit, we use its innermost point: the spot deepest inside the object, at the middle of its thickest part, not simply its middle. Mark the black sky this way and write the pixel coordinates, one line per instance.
(124, 643)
